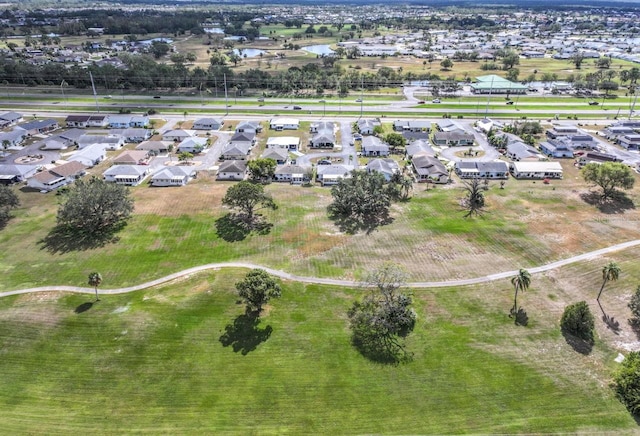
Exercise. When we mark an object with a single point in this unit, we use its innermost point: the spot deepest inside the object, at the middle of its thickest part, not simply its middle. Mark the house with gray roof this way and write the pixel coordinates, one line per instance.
(175, 175)
(90, 156)
(111, 142)
(429, 169)
(178, 135)
(328, 175)
(482, 170)
(52, 179)
(38, 127)
(192, 145)
(294, 174)
(157, 147)
(208, 124)
(493, 84)
(10, 119)
(322, 126)
(386, 167)
(366, 126)
(249, 126)
(629, 141)
(373, 146)
(128, 175)
(519, 151)
(324, 139)
(418, 146)
(235, 151)
(232, 170)
(453, 139)
(10, 173)
(14, 138)
(280, 155)
(556, 148)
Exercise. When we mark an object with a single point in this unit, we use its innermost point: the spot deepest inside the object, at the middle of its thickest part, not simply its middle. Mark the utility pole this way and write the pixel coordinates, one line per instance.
(633, 106)
(226, 95)
(361, 94)
(95, 95)
(486, 111)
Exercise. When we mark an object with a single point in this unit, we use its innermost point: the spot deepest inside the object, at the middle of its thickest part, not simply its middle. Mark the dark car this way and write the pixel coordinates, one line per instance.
(421, 102)
(156, 96)
(324, 162)
(510, 102)
(297, 108)
(593, 103)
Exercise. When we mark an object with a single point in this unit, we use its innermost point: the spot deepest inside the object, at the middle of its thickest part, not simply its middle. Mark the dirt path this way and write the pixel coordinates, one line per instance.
(325, 281)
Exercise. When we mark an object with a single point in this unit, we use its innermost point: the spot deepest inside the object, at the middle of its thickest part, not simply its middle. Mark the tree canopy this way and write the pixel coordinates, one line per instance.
(8, 201)
(360, 202)
(94, 207)
(578, 321)
(627, 382)
(610, 176)
(256, 289)
(247, 198)
(262, 170)
(380, 322)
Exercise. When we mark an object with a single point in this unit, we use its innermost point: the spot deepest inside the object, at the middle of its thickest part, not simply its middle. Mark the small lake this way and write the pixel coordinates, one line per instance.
(322, 49)
(248, 52)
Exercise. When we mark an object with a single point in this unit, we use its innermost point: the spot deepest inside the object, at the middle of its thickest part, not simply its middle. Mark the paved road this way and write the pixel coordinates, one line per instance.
(325, 281)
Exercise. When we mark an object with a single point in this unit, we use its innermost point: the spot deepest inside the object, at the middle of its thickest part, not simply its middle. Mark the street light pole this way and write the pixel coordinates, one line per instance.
(324, 107)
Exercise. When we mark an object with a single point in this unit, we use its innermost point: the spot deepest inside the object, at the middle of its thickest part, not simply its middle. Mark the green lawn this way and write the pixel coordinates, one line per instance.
(153, 362)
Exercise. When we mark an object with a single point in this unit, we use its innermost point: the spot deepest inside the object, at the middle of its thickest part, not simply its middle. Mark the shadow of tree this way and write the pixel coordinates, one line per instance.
(234, 227)
(618, 203)
(379, 351)
(610, 321)
(63, 239)
(244, 335)
(351, 225)
(84, 307)
(521, 317)
(578, 344)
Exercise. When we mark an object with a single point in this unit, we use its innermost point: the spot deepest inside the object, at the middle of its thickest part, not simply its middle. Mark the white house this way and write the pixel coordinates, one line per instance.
(178, 135)
(284, 124)
(536, 170)
(386, 167)
(294, 174)
(178, 175)
(232, 170)
(235, 151)
(111, 142)
(129, 175)
(332, 174)
(280, 155)
(286, 142)
(16, 173)
(208, 124)
(90, 156)
(482, 170)
(193, 145)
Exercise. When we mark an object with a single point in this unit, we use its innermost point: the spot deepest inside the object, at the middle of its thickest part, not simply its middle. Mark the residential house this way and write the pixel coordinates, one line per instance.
(596, 157)
(519, 151)
(630, 141)
(10, 119)
(136, 134)
(249, 126)
(13, 138)
(156, 147)
(413, 126)
(235, 151)
(386, 167)
(38, 127)
(246, 137)
(139, 121)
(53, 144)
(429, 169)
(70, 136)
(322, 126)
(98, 121)
(52, 179)
(111, 142)
(10, 174)
(367, 126)
(482, 170)
(192, 145)
(90, 156)
(77, 121)
(555, 148)
(294, 174)
(280, 155)
(178, 135)
(325, 139)
(453, 139)
(328, 175)
(128, 175)
(132, 157)
(119, 121)
(536, 170)
(373, 146)
(446, 125)
(419, 146)
(208, 124)
(232, 170)
(177, 175)
(280, 124)
(285, 142)
(560, 130)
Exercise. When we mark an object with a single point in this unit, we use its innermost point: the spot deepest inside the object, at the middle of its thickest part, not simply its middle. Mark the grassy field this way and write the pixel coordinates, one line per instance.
(527, 224)
(157, 361)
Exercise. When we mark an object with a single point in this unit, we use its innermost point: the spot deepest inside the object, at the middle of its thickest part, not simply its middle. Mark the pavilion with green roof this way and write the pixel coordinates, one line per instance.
(493, 84)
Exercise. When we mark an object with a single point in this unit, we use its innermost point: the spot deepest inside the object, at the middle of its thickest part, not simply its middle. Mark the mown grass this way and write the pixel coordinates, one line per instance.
(153, 362)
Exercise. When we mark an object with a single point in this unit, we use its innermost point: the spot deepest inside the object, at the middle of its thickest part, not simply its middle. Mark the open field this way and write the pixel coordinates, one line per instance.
(527, 224)
(156, 361)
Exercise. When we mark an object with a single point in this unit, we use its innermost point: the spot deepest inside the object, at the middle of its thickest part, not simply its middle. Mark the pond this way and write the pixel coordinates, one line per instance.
(248, 52)
(322, 49)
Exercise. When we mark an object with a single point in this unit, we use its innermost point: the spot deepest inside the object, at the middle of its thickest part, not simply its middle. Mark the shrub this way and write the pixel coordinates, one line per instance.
(627, 383)
(634, 306)
(578, 321)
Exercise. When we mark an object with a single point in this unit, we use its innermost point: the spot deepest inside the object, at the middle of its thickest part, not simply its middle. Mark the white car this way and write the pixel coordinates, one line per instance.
(435, 100)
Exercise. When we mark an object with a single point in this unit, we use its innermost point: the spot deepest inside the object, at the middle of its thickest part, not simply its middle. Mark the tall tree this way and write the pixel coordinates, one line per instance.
(474, 201)
(8, 201)
(95, 279)
(520, 282)
(248, 197)
(262, 170)
(94, 207)
(256, 289)
(610, 272)
(609, 176)
(381, 321)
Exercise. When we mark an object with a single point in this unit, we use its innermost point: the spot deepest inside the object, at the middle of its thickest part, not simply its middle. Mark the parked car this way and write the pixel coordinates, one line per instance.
(357, 137)
(435, 100)
(324, 162)
(359, 100)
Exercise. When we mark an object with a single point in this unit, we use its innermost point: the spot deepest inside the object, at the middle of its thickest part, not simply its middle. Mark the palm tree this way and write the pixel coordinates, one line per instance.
(94, 280)
(520, 282)
(610, 271)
